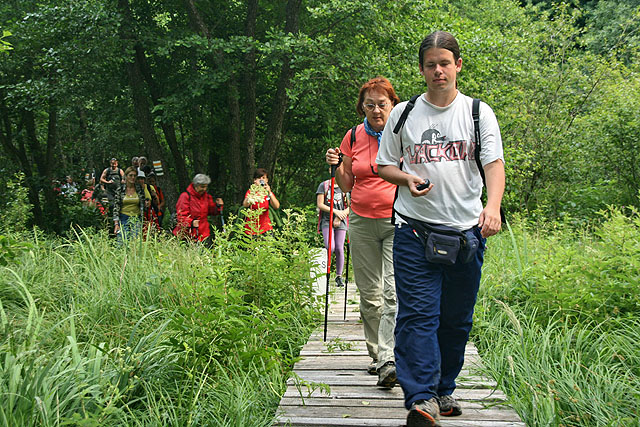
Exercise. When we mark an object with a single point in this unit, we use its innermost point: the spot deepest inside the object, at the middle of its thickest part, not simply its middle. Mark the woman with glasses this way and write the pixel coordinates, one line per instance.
(370, 227)
(129, 203)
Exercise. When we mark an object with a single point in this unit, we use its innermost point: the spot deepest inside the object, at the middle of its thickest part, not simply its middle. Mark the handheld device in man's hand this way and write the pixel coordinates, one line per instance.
(421, 187)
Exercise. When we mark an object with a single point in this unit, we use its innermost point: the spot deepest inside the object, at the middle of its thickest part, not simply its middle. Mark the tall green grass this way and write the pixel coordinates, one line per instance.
(557, 321)
(157, 332)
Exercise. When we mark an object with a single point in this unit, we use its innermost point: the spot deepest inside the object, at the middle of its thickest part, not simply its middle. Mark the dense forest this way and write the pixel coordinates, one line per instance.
(224, 87)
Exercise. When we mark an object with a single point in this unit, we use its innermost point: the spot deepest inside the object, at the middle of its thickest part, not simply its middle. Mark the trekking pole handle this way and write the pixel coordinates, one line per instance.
(335, 167)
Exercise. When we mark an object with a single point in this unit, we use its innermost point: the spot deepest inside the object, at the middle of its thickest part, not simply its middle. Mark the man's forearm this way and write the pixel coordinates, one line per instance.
(495, 176)
(392, 174)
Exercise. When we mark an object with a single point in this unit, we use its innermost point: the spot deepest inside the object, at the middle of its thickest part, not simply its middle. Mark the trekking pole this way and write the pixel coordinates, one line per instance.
(346, 283)
(220, 208)
(326, 298)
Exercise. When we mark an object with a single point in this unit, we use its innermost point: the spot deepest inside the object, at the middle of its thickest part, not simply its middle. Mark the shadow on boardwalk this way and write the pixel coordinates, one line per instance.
(353, 399)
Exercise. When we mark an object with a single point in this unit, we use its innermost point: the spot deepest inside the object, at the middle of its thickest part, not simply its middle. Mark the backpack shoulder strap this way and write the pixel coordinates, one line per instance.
(405, 113)
(475, 113)
(396, 130)
(353, 135)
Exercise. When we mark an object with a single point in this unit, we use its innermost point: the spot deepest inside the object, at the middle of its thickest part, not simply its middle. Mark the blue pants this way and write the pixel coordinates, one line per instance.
(130, 228)
(435, 314)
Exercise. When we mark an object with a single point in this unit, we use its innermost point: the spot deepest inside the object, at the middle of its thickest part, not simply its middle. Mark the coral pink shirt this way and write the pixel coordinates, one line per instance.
(371, 196)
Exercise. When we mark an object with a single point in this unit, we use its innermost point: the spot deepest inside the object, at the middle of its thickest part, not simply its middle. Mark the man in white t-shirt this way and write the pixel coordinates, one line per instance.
(435, 300)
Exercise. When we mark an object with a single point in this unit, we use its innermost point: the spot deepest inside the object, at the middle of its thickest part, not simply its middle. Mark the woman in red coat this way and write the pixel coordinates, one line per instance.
(193, 208)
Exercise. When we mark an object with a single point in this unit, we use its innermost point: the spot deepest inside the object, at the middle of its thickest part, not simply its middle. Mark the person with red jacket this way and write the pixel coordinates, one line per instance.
(259, 197)
(193, 208)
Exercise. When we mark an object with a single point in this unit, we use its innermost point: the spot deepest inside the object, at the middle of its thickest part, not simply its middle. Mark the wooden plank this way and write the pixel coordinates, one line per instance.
(339, 363)
(400, 414)
(361, 374)
(384, 403)
(349, 422)
(358, 378)
(365, 393)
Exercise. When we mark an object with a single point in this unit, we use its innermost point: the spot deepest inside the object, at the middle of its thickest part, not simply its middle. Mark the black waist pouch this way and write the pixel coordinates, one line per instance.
(443, 244)
(470, 247)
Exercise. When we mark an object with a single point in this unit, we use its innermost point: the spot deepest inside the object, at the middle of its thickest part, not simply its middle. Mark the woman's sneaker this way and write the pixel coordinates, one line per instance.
(339, 282)
(424, 413)
(387, 375)
(449, 406)
(372, 369)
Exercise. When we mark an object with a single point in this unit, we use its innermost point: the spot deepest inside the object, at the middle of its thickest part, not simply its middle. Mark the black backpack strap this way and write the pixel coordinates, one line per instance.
(353, 135)
(405, 113)
(475, 113)
(396, 130)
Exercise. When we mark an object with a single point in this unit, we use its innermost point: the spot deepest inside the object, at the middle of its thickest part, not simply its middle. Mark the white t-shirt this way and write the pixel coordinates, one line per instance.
(438, 144)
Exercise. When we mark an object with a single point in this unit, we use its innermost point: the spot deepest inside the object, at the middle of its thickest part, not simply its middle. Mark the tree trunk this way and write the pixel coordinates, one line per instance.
(168, 127)
(237, 177)
(249, 86)
(19, 155)
(44, 160)
(141, 104)
(273, 137)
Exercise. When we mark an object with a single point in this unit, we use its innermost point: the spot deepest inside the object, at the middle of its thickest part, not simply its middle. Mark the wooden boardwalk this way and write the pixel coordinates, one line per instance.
(353, 399)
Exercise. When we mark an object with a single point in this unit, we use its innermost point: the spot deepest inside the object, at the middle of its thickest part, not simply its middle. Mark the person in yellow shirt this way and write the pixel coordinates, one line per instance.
(129, 205)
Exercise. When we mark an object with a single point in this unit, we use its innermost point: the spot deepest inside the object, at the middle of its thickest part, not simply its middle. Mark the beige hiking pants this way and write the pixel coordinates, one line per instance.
(372, 254)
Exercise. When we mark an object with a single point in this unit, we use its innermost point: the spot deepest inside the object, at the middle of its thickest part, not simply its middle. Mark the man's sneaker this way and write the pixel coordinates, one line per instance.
(387, 375)
(372, 369)
(449, 406)
(424, 413)
(339, 281)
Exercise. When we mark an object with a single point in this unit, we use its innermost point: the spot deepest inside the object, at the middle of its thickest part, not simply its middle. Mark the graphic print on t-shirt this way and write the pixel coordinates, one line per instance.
(435, 147)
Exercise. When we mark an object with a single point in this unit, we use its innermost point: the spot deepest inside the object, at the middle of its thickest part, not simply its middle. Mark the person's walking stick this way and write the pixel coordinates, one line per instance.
(220, 208)
(326, 297)
(346, 283)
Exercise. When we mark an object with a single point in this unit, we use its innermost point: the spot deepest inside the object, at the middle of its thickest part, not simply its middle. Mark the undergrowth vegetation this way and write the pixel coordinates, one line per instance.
(154, 333)
(558, 321)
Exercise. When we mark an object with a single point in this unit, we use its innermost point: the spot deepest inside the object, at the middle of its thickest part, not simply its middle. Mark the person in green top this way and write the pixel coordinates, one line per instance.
(129, 204)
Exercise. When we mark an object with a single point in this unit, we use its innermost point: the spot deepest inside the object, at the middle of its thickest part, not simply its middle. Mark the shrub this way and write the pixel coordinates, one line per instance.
(15, 209)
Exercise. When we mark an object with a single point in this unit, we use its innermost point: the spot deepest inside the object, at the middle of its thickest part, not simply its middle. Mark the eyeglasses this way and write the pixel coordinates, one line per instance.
(372, 107)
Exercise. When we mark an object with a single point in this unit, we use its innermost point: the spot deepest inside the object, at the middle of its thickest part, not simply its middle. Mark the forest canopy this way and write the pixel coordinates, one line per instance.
(223, 87)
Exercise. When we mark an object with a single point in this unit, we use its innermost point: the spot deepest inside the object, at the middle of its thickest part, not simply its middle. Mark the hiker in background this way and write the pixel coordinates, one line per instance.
(259, 197)
(437, 288)
(341, 214)
(143, 165)
(130, 201)
(159, 208)
(142, 180)
(150, 216)
(88, 199)
(69, 187)
(370, 229)
(111, 178)
(192, 211)
(135, 162)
